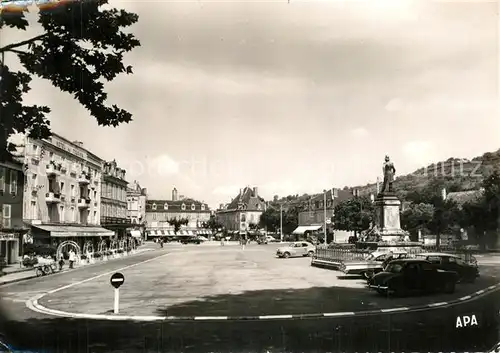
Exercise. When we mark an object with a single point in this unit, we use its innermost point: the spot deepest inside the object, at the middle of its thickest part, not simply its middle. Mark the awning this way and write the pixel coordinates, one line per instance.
(152, 232)
(68, 231)
(303, 229)
(8, 236)
(135, 233)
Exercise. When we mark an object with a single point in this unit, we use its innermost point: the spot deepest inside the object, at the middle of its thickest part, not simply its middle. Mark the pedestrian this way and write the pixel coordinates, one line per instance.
(161, 242)
(61, 263)
(243, 241)
(72, 257)
(221, 241)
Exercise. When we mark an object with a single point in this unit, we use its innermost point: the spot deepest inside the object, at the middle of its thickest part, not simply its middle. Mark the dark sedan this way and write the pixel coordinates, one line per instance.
(467, 272)
(191, 240)
(409, 276)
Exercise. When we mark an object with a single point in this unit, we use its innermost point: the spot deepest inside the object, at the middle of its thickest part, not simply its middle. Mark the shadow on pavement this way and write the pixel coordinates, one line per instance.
(430, 331)
(298, 301)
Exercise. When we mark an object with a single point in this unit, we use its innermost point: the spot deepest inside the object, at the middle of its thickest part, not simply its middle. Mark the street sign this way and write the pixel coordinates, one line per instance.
(117, 280)
(328, 221)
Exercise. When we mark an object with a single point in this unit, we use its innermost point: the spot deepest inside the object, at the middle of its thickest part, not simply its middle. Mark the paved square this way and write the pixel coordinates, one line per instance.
(230, 282)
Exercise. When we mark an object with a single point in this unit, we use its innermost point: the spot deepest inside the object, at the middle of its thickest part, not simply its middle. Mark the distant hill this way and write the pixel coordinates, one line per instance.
(455, 174)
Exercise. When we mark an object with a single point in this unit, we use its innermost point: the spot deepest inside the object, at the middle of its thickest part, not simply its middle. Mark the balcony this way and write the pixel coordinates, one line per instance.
(83, 179)
(52, 169)
(83, 203)
(51, 197)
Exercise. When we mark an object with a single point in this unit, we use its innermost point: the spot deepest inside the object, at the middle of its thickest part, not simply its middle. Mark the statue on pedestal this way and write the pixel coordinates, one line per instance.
(389, 172)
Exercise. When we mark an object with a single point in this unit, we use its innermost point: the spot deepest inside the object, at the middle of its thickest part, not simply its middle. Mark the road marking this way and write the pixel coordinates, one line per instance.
(394, 309)
(210, 317)
(270, 317)
(105, 274)
(34, 305)
(351, 313)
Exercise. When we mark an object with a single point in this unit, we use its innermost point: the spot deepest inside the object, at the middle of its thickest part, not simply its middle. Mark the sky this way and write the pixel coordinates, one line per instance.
(293, 97)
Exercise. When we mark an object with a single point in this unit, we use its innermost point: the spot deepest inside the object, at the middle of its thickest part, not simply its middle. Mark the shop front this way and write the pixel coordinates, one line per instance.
(80, 239)
(9, 248)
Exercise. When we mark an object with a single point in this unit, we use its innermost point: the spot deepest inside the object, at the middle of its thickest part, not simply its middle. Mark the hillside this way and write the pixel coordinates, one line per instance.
(456, 174)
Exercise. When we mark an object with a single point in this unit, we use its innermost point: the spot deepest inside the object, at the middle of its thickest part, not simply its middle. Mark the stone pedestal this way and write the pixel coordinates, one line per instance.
(386, 234)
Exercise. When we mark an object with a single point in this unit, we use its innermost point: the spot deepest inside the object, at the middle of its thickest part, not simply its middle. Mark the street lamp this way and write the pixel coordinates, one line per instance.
(281, 222)
(324, 216)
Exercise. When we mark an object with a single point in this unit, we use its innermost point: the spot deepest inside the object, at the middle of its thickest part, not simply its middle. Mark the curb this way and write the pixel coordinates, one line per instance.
(3, 283)
(35, 306)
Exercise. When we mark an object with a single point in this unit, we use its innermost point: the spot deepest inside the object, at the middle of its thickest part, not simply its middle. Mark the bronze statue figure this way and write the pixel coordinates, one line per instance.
(389, 172)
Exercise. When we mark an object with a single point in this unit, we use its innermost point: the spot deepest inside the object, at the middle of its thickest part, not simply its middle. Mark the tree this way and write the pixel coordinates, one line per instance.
(212, 224)
(290, 219)
(475, 215)
(177, 223)
(446, 218)
(81, 46)
(417, 217)
(354, 215)
(270, 219)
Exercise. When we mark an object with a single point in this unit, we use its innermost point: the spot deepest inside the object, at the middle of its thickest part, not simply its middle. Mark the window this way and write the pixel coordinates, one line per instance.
(193, 207)
(258, 206)
(434, 259)
(95, 217)
(6, 211)
(2, 179)
(95, 195)
(202, 207)
(73, 190)
(61, 214)
(165, 206)
(51, 154)
(153, 207)
(13, 182)
(154, 216)
(73, 214)
(183, 207)
(32, 211)
(62, 187)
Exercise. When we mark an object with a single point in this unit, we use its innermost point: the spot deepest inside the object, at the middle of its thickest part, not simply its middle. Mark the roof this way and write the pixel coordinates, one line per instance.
(438, 254)
(175, 205)
(461, 197)
(342, 195)
(248, 200)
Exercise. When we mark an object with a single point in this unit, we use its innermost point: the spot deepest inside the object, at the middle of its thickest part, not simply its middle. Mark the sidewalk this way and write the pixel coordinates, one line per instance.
(28, 273)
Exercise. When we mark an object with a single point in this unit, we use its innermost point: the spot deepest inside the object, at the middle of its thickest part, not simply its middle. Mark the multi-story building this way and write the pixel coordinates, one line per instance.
(11, 202)
(114, 199)
(62, 193)
(159, 212)
(245, 209)
(312, 215)
(136, 208)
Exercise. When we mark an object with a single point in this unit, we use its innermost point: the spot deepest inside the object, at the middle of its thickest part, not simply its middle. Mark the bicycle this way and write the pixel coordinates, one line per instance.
(44, 270)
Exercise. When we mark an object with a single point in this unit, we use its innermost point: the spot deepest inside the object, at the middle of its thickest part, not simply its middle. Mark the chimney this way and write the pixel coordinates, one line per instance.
(443, 193)
(174, 194)
(372, 197)
(255, 192)
(335, 192)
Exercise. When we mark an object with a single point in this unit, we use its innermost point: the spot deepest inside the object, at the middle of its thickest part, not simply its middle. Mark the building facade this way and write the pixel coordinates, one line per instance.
(159, 212)
(114, 199)
(312, 214)
(62, 193)
(11, 202)
(136, 203)
(245, 209)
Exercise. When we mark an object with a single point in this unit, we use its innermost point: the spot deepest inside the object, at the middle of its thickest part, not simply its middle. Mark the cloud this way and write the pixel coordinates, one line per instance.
(419, 152)
(164, 165)
(359, 132)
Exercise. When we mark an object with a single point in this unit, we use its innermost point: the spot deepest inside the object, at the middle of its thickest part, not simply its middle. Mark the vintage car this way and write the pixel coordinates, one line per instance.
(296, 249)
(192, 240)
(407, 276)
(371, 265)
(467, 272)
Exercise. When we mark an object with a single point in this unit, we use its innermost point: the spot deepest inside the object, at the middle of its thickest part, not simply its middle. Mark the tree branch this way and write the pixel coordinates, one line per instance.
(22, 43)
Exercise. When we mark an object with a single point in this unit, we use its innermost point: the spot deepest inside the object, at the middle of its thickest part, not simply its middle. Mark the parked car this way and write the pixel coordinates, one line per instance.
(296, 249)
(371, 265)
(191, 240)
(267, 239)
(408, 276)
(467, 272)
